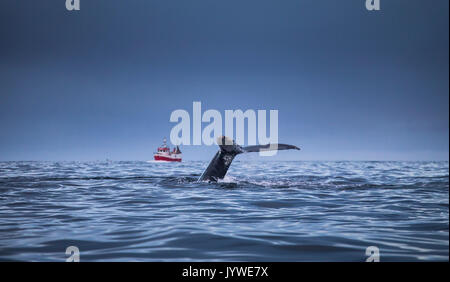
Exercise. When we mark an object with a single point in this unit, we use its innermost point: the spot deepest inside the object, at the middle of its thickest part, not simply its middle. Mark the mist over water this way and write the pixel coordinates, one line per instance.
(262, 211)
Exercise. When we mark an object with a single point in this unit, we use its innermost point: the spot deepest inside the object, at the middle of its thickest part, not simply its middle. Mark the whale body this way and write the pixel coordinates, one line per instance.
(228, 149)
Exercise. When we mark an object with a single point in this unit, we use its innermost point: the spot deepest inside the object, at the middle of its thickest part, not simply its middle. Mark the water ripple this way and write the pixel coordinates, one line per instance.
(261, 211)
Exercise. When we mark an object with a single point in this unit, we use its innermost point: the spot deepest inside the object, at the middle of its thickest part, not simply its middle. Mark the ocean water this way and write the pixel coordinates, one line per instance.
(262, 211)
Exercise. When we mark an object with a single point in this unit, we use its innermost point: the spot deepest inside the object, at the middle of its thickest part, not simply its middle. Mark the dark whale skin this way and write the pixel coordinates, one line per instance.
(222, 160)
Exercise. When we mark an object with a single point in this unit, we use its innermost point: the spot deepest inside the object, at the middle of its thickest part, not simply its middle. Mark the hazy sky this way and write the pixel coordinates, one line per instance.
(102, 82)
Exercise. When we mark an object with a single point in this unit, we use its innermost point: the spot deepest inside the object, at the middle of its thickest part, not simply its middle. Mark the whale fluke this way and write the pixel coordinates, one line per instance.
(269, 147)
(219, 165)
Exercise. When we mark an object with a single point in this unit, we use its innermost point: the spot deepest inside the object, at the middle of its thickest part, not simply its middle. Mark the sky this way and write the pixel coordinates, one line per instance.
(101, 83)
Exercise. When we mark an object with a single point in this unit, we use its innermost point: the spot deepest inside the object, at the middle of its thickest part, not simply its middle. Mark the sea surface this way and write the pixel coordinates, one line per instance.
(262, 211)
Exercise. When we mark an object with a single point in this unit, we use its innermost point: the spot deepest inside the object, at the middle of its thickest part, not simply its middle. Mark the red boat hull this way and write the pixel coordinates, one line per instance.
(167, 159)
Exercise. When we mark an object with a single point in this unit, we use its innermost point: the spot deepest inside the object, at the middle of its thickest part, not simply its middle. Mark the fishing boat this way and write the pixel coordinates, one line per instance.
(165, 154)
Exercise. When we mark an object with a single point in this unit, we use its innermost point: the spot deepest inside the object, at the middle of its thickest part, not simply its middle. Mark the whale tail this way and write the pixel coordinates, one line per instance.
(219, 165)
